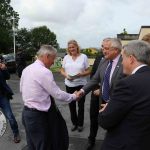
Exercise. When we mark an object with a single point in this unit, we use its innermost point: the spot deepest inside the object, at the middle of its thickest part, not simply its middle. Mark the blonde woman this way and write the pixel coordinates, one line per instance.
(75, 69)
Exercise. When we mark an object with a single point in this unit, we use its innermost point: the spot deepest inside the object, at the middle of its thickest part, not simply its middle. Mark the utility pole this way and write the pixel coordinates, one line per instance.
(14, 38)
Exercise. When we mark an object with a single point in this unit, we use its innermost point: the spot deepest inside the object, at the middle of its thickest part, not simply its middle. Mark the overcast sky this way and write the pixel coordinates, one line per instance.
(87, 21)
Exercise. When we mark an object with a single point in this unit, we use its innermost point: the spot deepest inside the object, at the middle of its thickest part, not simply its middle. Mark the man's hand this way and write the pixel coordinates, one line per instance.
(102, 107)
(79, 94)
(97, 92)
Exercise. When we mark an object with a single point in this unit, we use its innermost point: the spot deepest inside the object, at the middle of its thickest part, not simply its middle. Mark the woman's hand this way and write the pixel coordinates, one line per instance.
(69, 78)
(79, 75)
(84, 73)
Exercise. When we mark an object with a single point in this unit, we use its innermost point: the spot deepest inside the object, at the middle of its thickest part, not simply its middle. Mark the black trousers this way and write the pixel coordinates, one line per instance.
(37, 129)
(94, 111)
(76, 118)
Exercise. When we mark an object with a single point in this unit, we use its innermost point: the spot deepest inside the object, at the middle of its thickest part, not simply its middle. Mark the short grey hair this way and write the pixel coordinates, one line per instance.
(139, 49)
(115, 43)
(107, 39)
(46, 49)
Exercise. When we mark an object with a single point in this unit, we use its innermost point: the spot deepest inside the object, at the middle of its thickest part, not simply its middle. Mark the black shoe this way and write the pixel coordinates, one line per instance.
(74, 128)
(90, 145)
(80, 128)
(17, 138)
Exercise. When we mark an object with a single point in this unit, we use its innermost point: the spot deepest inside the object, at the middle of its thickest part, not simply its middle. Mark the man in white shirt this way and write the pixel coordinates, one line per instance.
(37, 85)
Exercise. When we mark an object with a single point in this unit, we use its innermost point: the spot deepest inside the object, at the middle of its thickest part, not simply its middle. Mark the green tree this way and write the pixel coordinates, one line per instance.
(6, 19)
(23, 39)
(43, 35)
(124, 32)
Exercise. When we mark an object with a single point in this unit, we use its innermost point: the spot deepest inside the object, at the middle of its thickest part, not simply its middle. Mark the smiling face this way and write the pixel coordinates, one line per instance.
(109, 52)
(73, 49)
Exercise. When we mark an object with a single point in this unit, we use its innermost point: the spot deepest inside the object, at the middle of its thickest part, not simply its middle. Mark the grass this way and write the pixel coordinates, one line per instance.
(55, 68)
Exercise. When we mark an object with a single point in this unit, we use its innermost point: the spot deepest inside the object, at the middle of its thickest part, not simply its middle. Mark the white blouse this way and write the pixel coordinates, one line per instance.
(73, 67)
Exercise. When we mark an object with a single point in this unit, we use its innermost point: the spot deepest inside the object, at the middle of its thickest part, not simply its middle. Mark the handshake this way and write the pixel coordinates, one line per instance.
(79, 94)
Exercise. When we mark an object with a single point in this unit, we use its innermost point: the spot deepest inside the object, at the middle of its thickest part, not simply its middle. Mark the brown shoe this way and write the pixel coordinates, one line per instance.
(17, 138)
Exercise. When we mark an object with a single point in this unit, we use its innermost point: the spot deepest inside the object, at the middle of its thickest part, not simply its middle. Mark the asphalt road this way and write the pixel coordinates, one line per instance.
(78, 140)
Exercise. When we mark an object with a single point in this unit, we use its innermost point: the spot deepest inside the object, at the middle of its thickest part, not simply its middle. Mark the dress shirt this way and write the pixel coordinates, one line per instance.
(137, 68)
(114, 65)
(37, 84)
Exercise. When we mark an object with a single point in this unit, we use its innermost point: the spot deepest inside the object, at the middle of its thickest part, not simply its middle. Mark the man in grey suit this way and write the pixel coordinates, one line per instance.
(111, 49)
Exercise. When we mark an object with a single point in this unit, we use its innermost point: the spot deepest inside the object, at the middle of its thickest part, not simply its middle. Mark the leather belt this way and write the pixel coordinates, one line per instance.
(30, 109)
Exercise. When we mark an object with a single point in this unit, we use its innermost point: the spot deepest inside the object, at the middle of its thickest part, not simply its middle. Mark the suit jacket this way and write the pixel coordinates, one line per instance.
(59, 137)
(94, 68)
(127, 115)
(99, 75)
(95, 65)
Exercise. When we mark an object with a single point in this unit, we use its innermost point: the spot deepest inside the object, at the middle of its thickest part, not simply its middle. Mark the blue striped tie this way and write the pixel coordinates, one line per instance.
(106, 85)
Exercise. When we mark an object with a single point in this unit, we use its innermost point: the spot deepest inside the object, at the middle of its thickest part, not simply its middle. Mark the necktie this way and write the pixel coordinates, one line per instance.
(106, 86)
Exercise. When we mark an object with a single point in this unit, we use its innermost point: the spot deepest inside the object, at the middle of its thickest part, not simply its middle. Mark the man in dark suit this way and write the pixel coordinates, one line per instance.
(127, 115)
(94, 104)
(111, 50)
(20, 62)
(5, 96)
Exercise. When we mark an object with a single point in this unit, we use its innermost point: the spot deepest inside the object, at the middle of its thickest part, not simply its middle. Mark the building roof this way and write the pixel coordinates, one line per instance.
(128, 36)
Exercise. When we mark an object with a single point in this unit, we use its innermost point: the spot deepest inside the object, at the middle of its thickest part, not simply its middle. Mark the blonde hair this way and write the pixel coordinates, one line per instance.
(74, 42)
(146, 38)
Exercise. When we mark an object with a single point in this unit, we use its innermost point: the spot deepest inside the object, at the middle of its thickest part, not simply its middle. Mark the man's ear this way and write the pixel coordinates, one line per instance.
(132, 59)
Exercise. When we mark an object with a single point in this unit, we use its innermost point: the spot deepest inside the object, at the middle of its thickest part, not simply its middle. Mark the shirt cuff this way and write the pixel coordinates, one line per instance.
(74, 97)
(82, 91)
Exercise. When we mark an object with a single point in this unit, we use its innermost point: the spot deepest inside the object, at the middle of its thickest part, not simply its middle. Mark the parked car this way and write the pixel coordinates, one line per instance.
(10, 62)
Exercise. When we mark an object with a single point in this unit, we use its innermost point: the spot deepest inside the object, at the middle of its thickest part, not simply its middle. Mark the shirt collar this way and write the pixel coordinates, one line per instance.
(39, 62)
(116, 59)
(137, 68)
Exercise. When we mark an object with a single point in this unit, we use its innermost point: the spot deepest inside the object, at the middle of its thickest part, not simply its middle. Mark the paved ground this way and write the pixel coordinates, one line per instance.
(78, 140)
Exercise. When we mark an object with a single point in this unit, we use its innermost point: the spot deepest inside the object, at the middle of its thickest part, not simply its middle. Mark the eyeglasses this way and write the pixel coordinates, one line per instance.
(107, 48)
